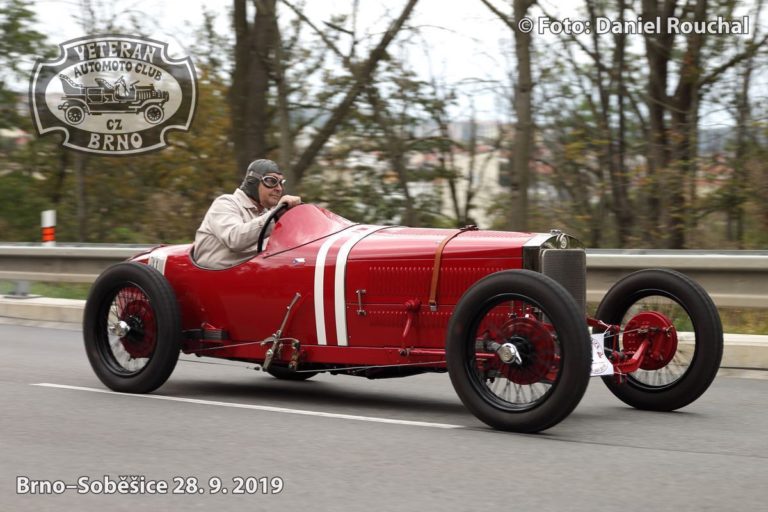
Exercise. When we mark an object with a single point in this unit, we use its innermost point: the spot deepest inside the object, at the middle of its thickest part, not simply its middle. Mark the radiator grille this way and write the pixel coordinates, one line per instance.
(569, 268)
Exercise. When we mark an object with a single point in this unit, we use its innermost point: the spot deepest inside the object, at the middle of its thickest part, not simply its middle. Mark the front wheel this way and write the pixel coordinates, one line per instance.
(518, 351)
(679, 323)
(131, 328)
(153, 114)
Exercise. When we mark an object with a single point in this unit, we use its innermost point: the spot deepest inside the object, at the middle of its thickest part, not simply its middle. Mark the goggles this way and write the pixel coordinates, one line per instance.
(272, 181)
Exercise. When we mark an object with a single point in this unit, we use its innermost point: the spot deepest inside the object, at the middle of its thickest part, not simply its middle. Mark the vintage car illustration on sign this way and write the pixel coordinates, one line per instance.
(105, 98)
(503, 313)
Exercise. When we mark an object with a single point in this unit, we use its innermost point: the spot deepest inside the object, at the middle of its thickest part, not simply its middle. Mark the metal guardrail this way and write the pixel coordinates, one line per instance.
(732, 278)
(63, 263)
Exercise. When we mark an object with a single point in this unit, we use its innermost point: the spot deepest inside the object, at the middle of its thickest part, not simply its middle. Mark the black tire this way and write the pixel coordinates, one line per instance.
(153, 114)
(695, 362)
(285, 373)
(142, 359)
(74, 115)
(547, 304)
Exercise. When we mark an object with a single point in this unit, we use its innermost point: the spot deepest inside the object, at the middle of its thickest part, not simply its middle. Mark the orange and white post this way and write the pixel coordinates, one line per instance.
(48, 225)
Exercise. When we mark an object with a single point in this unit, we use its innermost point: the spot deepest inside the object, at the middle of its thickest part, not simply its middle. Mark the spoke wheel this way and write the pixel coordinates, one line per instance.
(681, 326)
(542, 324)
(153, 114)
(533, 340)
(74, 115)
(131, 328)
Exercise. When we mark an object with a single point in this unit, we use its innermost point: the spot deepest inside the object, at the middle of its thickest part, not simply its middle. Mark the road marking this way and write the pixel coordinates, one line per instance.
(265, 408)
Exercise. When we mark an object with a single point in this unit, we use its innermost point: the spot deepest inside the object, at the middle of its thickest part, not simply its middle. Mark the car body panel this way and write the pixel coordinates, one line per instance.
(360, 286)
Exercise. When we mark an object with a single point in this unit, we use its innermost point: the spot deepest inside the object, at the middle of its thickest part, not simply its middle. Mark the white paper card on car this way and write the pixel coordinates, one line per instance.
(600, 364)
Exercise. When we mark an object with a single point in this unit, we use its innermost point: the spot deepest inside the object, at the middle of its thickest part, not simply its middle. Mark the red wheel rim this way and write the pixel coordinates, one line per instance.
(659, 331)
(537, 348)
(134, 329)
(138, 314)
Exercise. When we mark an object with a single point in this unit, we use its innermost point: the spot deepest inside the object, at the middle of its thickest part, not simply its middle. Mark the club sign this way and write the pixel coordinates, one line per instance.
(113, 95)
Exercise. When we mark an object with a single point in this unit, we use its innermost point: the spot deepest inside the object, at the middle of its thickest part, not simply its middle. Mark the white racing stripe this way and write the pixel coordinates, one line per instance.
(341, 270)
(265, 408)
(320, 284)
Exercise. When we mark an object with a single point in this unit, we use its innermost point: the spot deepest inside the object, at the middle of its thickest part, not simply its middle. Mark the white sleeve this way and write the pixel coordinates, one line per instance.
(227, 224)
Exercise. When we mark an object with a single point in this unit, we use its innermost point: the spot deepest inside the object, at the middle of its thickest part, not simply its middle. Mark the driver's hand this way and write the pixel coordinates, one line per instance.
(291, 201)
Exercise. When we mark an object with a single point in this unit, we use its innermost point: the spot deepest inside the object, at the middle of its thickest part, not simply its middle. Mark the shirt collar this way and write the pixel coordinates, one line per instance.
(245, 201)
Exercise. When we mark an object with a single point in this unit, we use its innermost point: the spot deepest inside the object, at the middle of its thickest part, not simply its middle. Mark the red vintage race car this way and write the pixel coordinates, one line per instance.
(503, 313)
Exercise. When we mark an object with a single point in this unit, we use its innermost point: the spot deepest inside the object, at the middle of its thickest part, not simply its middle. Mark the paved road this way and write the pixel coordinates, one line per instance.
(713, 455)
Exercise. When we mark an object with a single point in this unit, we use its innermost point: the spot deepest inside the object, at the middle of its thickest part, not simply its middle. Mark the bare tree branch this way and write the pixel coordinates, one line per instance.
(303, 17)
(751, 50)
(361, 79)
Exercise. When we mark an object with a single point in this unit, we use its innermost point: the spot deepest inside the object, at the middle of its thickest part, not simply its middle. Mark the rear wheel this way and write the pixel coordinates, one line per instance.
(682, 327)
(74, 115)
(131, 328)
(518, 351)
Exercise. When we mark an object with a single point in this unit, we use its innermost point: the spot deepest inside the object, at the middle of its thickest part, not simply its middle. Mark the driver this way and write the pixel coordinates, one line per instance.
(230, 229)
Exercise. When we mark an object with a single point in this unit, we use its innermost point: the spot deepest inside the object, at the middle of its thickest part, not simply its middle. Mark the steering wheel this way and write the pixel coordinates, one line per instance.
(274, 216)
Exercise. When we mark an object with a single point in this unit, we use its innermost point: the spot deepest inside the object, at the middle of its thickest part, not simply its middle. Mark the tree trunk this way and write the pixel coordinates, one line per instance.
(57, 190)
(284, 120)
(471, 172)
(684, 121)
(521, 157)
(82, 216)
(448, 163)
(740, 178)
(658, 53)
(621, 202)
(254, 49)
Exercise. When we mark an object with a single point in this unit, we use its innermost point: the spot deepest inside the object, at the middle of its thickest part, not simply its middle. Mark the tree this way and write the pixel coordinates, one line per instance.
(399, 106)
(20, 199)
(523, 101)
(254, 52)
(673, 119)
(260, 62)
(738, 189)
(19, 43)
(604, 88)
(361, 78)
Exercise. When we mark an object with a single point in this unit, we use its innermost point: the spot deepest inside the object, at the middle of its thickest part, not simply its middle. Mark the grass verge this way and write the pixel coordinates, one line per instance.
(54, 290)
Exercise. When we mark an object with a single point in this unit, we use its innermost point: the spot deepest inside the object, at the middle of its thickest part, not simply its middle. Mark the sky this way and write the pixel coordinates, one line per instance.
(460, 42)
